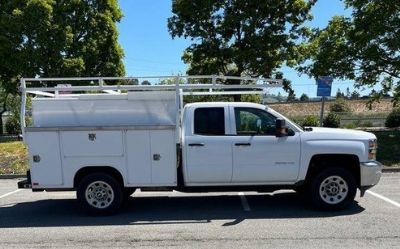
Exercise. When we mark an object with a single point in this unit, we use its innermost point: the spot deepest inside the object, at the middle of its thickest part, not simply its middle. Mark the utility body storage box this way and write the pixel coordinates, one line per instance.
(134, 133)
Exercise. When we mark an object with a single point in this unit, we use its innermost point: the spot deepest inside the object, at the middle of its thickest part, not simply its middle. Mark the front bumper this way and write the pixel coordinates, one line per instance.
(370, 173)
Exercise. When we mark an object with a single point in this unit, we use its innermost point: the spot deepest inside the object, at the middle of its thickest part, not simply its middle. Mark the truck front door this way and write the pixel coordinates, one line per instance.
(207, 151)
(258, 155)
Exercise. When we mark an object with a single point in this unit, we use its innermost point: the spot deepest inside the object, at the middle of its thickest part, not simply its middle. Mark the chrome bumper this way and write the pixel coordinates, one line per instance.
(370, 173)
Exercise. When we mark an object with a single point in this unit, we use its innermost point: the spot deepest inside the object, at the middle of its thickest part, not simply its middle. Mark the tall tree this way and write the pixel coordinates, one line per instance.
(241, 37)
(50, 38)
(355, 95)
(304, 97)
(364, 47)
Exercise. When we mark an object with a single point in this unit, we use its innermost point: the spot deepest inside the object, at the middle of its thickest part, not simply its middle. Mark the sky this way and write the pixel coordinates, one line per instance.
(150, 50)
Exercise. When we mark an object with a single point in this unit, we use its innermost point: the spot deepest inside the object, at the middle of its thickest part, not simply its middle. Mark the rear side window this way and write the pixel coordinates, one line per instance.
(209, 121)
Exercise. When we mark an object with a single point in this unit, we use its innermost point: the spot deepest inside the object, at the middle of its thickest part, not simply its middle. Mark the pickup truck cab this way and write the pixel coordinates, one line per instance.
(245, 144)
(211, 146)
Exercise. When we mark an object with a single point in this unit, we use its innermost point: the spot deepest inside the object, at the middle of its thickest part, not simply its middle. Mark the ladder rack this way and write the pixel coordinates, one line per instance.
(195, 85)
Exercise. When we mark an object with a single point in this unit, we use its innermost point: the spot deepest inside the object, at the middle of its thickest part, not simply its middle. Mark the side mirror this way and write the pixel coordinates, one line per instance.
(281, 129)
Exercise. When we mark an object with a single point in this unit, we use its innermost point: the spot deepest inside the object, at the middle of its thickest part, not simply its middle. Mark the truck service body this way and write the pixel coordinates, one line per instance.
(121, 138)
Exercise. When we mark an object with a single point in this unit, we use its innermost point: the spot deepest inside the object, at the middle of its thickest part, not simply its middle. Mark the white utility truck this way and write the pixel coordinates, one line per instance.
(106, 139)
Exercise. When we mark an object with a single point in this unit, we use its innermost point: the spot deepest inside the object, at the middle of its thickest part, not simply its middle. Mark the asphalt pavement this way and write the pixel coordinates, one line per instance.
(207, 220)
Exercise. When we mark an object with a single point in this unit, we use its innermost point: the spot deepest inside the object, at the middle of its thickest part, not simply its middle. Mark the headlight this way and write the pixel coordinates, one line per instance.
(372, 147)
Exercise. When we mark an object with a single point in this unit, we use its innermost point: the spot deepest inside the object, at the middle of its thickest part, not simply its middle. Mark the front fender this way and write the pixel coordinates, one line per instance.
(311, 148)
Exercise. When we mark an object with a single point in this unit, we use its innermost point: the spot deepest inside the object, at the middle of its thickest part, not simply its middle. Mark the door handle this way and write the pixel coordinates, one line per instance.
(242, 144)
(196, 144)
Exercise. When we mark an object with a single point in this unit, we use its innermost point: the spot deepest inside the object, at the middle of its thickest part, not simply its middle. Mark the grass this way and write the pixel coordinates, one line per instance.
(13, 158)
(388, 147)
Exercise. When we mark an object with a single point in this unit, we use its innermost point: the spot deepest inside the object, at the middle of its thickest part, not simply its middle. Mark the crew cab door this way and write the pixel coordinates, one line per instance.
(208, 152)
(258, 155)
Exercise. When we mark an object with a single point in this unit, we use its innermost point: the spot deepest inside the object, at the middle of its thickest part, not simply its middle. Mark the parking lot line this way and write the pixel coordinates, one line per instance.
(10, 193)
(245, 204)
(384, 198)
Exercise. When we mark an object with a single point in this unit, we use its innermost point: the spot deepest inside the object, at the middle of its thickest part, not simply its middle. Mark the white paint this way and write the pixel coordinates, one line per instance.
(146, 156)
(245, 204)
(10, 193)
(384, 198)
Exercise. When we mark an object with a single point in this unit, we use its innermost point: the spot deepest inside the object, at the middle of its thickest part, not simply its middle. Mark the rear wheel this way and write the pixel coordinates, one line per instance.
(332, 189)
(99, 194)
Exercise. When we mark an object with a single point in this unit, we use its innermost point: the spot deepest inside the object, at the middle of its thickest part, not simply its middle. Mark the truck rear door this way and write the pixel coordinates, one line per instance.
(207, 151)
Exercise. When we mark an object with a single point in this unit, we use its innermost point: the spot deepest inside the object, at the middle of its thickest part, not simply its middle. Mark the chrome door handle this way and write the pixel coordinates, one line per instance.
(196, 144)
(242, 144)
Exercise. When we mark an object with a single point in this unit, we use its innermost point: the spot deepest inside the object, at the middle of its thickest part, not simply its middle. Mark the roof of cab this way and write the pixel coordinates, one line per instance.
(222, 104)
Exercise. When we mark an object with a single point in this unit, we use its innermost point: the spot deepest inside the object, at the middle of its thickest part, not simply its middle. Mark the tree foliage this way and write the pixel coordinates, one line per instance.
(50, 38)
(304, 97)
(393, 119)
(64, 38)
(340, 106)
(364, 47)
(332, 120)
(240, 37)
(355, 95)
(311, 121)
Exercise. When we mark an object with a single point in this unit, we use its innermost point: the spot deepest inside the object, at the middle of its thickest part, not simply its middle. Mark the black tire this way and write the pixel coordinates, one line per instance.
(332, 189)
(109, 190)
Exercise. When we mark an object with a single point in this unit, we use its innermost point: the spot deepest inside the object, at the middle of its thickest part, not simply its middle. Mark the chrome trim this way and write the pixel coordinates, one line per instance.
(370, 173)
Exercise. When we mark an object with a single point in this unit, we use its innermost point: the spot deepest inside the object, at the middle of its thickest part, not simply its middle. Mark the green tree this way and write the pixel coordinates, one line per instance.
(240, 37)
(63, 38)
(339, 94)
(304, 97)
(355, 95)
(145, 83)
(3, 102)
(364, 47)
(348, 93)
(340, 106)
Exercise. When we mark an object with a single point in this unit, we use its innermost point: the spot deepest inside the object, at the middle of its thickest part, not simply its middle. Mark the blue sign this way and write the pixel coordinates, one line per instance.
(324, 86)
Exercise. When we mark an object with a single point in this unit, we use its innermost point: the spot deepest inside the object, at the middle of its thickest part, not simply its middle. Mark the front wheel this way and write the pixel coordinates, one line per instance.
(99, 194)
(333, 189)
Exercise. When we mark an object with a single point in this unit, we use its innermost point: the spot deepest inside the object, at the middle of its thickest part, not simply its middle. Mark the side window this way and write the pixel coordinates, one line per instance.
(251, 121)
(209, 121)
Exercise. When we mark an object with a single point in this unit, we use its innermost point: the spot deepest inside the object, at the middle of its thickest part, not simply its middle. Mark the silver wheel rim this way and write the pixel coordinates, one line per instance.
(99, 194)
(333, 190)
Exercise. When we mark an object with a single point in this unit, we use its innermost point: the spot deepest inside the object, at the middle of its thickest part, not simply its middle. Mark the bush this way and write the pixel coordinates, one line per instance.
(332, 120)
(310, 121)
(351, 125)
(340, 105)
(393, 119)
(12, 126)
(367, 124)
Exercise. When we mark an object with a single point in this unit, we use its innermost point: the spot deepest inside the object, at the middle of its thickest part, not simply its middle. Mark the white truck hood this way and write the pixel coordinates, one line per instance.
(337, 134)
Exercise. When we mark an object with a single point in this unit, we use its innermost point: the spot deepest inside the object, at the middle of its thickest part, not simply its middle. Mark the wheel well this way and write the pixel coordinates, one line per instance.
(345, 161)
(97, 169)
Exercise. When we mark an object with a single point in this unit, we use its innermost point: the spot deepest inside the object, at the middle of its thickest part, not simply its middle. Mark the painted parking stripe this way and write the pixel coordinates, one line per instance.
(245, 204)
(384, 198)
(8, 194)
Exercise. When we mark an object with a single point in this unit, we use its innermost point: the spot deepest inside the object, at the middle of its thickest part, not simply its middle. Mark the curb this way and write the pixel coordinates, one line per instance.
(12, 176)
(390, 170)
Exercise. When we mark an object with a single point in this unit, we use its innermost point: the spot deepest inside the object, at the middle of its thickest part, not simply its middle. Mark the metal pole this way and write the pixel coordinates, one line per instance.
(213, 82)
(321, 118)
(178, 109)
(23, 107)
